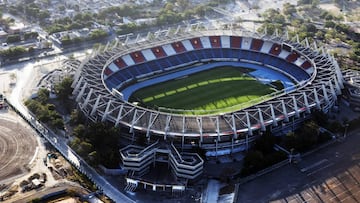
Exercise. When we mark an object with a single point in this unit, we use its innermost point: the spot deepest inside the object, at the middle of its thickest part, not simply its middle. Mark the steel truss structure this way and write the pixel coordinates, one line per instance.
(228, 130)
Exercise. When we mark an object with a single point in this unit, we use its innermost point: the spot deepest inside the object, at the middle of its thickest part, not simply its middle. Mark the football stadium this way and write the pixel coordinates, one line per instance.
(214, 90)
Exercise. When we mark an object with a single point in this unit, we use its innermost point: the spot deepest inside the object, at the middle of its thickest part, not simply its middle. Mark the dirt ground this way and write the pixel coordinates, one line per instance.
(17, 148)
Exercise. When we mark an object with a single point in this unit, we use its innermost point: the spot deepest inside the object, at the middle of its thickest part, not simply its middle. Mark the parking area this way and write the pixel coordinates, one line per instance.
(331, 174)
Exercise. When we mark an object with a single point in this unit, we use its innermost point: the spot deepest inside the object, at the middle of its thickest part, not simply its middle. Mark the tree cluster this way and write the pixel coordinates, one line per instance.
(94, 35)
(30, 35)
(31, 11)
(262, 155)
(305, 138)
(13, 38)
(13, 52)
(63, 89)
(18, 37)
(45, 111)
(97, 143)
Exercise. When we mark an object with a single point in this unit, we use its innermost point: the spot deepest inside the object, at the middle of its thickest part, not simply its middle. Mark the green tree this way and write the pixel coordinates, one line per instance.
(30, 35)
(62, 8)
(98, 34)
(58, 123)
(273, 16)
(85, 148)
(74, 143)
(13, 38)
(12, 52)
(183, 4)
(253, 162)
(43, 95)
(79, 131)
(63, 89)
(33, 106)
(289, 9)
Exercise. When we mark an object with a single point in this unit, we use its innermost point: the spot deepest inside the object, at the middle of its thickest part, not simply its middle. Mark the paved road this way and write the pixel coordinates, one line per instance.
(329, 175)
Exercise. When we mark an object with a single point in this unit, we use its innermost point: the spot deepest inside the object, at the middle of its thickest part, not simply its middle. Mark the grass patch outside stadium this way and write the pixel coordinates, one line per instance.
(218, 90)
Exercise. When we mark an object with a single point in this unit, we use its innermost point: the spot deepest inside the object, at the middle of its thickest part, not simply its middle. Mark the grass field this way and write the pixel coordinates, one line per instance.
(217, 90)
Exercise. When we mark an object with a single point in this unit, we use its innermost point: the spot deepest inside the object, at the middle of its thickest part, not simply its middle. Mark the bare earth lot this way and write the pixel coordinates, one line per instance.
(17, 147)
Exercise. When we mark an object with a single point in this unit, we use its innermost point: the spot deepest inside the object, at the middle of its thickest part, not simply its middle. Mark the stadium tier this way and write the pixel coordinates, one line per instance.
(100, 80)
(158, 65)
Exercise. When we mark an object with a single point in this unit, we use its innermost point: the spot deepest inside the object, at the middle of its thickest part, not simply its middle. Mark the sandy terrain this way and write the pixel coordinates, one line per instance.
(17, 148)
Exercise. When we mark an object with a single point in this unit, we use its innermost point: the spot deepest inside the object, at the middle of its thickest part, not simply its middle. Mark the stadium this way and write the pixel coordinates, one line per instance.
(282, 80)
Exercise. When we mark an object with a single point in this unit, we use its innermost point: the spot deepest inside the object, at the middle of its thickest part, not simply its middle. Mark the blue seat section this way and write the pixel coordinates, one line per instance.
(193, 56)
(208, 54)
(279, 63)
(153, 66)
(174, 61)
(130, 72)
(217, 53)
(200, 54)
(113, 82)
(163, 63)
(143, 68)
(227, 53)
(183, 57)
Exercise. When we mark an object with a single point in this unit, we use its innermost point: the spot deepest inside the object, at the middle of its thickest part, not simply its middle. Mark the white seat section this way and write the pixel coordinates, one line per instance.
(187, 44)
(310, 70)
(128, 60)
(266, 47)
(169, 50)
(205, 41)
(113, 67)
(246, 43)
(283, 54)
(148, 54)
(225, 41)
(299, 61)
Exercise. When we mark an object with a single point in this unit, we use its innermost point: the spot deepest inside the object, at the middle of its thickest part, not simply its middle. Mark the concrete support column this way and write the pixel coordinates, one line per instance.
(316, 98)
(106, 111)
(306, 102)
(88, 97)
(286, 117)
(326, 97)
(95, 106)
(234, 126)
(262, 123)
(248, 123)
(119, 115)
(273, 116)
(81, 92)
(296, 109)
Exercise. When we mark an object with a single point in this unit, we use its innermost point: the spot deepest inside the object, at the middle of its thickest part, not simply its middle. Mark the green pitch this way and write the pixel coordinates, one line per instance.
(216, 90)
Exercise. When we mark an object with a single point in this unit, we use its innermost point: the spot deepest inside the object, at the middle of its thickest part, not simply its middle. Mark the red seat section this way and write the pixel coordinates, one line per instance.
(256, 44)
(275, 49)
(120, 63)
(235, 42)
(137, 56)
(292, 57)
(158, 52)
(107, 71)
(215, 41)
(306, 65)
(178, 47)
(196, 43)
